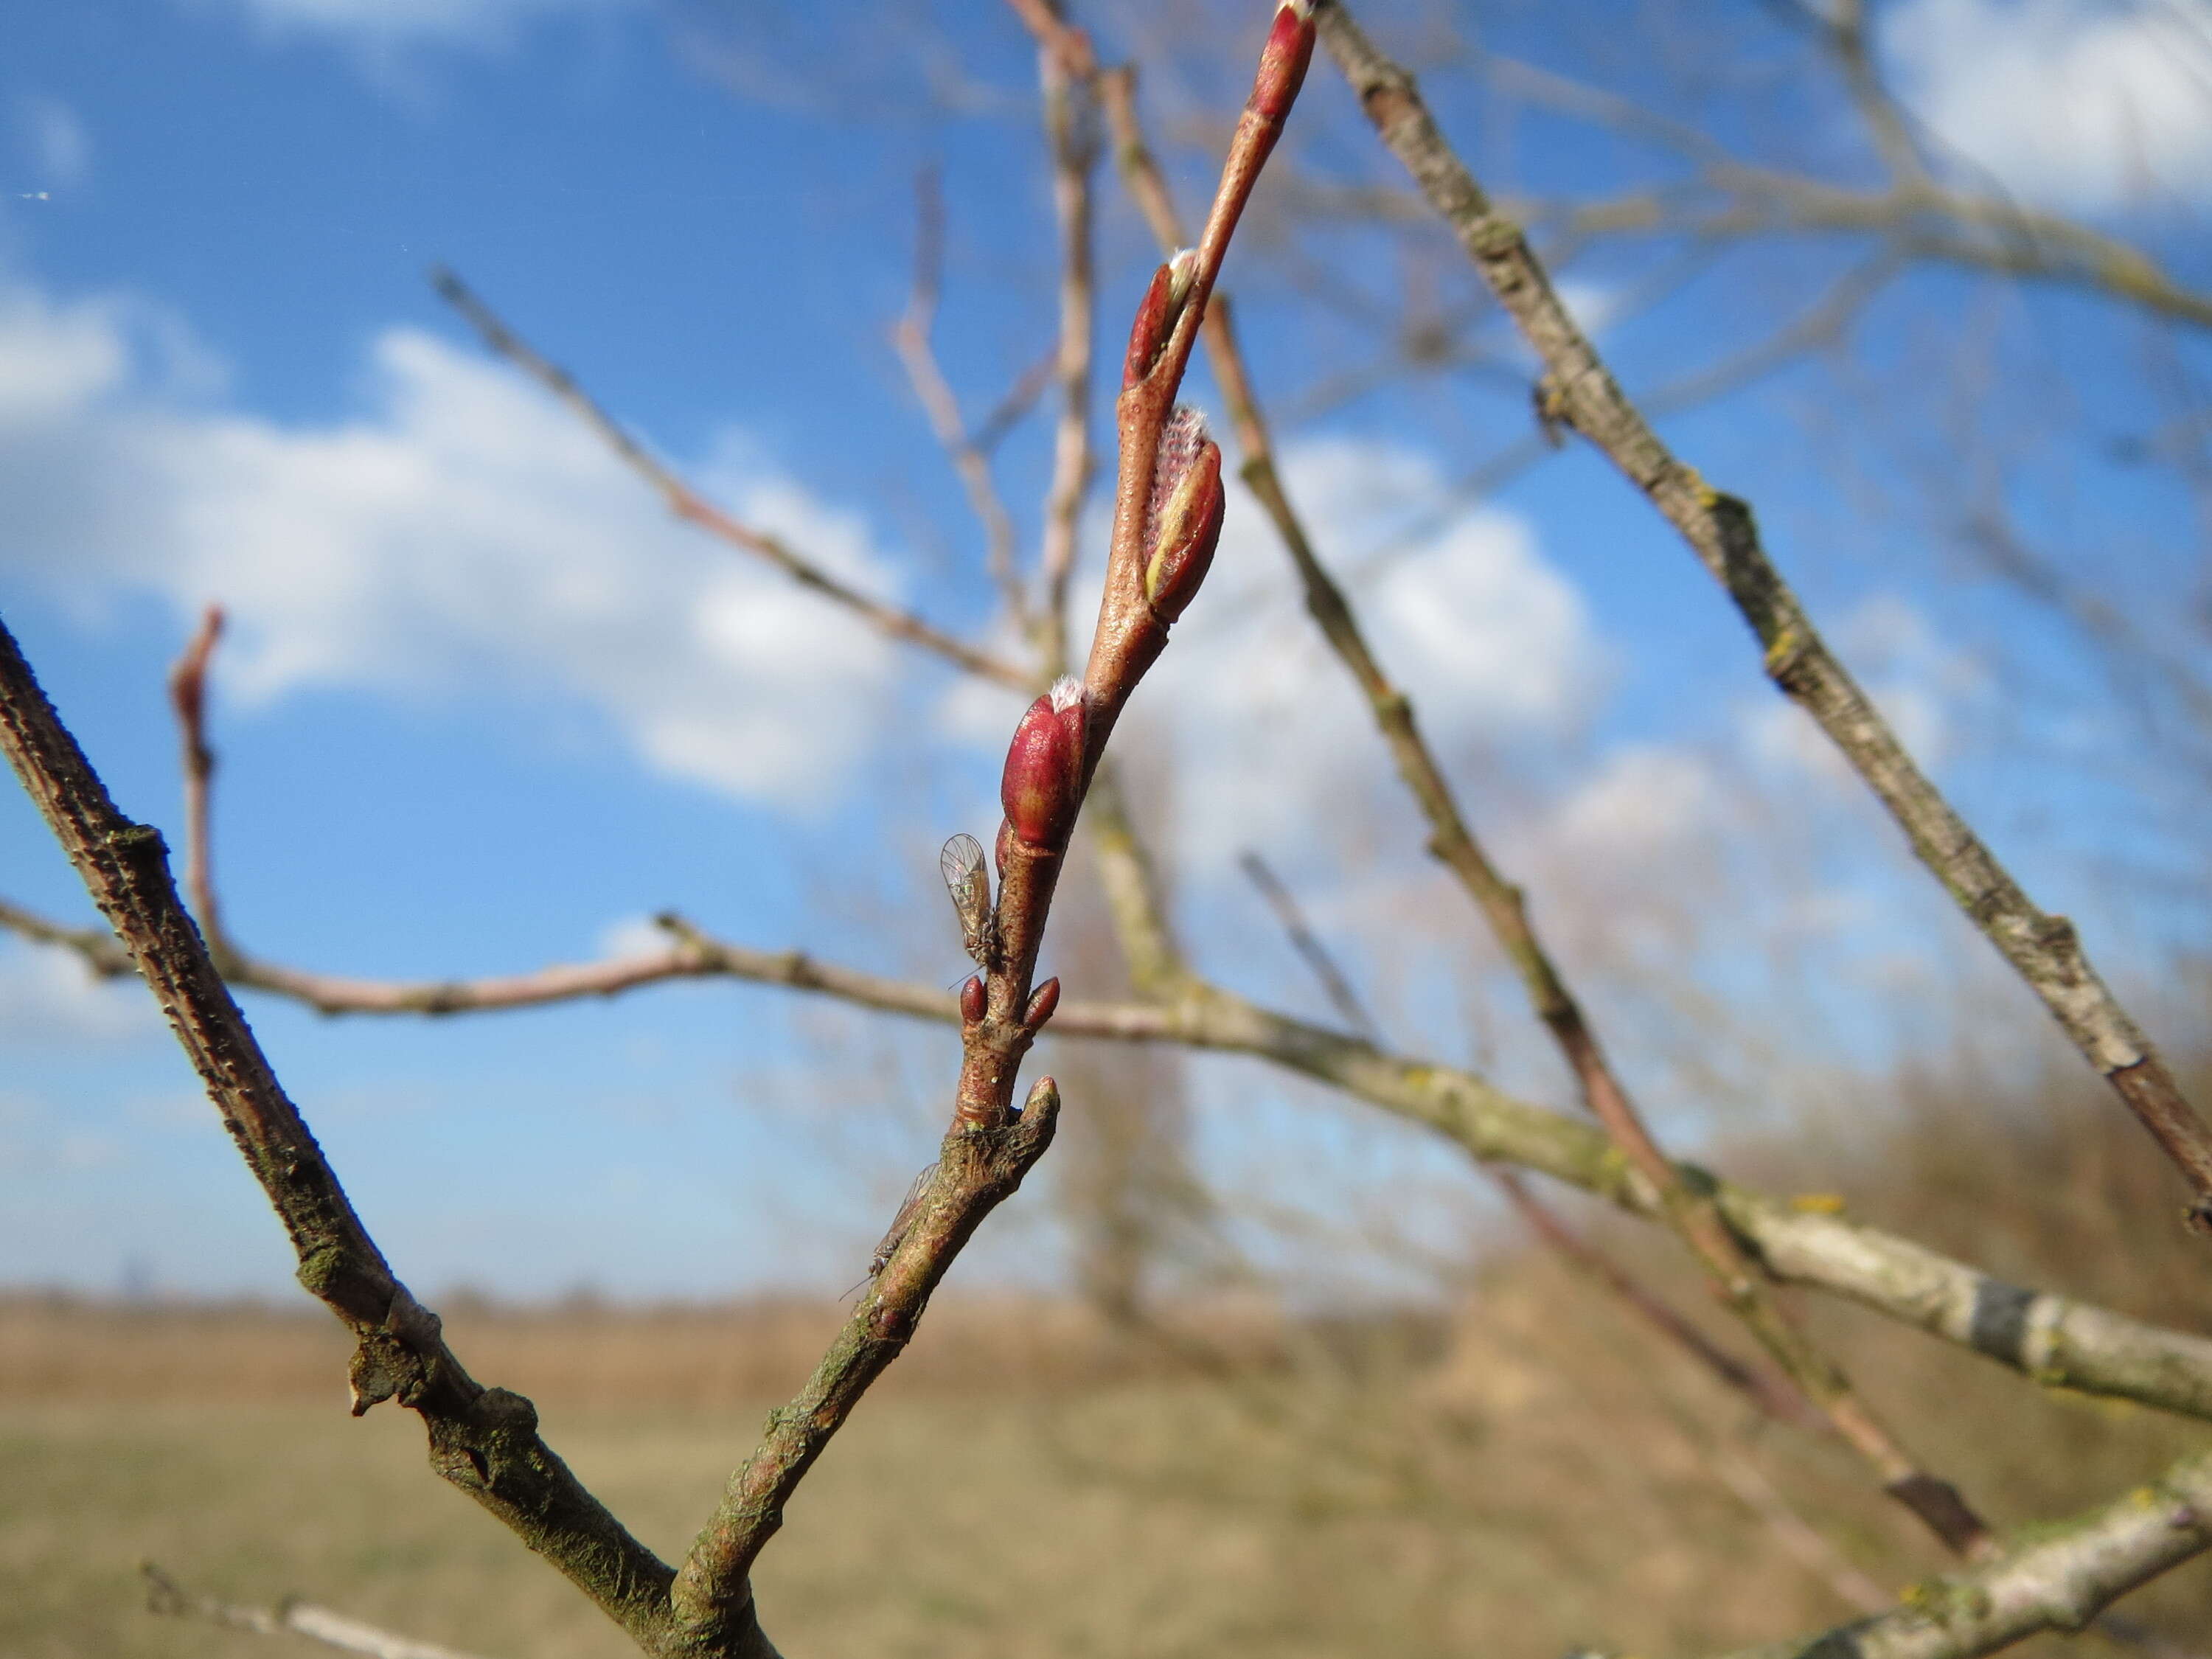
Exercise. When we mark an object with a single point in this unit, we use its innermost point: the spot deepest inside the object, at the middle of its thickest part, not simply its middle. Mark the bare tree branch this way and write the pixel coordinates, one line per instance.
(2051, 1339)
(687, 504)
(1072, 145)
(910, 337)
(1579, 390)
(2054, 1578)
(482, 1440)
(96, 946)
(288, 1617)
(1334, 984)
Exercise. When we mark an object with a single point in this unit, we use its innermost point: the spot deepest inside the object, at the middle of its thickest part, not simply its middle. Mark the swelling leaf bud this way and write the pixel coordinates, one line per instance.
(1182, 524)
(971, 1001)
(1042, 784)
(1157, 314)
(1043, 1001)
(1283, 60)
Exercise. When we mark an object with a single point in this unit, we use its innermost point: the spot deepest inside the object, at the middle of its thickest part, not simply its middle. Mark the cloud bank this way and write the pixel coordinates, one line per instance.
(460, 532)
(2076, 104)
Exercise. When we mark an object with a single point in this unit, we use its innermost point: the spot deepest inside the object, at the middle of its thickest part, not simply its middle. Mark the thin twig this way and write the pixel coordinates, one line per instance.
(1070, 122)
(686, 503)
(1311, 950)
(288, 1618)
(1021, 397)
(95, 947)
(1578, 390)
(910, 336)
(1769, 1392)
(188, 681)
(990, 1145)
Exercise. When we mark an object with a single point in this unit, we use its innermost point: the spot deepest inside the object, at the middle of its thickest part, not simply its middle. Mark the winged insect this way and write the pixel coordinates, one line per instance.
(962, 862)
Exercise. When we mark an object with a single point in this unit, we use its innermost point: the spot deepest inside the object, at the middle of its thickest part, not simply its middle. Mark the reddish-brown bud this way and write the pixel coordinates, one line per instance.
(1042, 784)
(1183, 523)
(1043, 1001)
(1157, 314)
(1283, 60)
(971, 1001)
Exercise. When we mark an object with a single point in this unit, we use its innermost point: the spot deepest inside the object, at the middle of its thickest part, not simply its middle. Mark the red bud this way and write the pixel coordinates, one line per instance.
(1283, 60)
(1043, 1001)
(971, 1001)
(1156, 316)
(1042, 784)
(1183, 522)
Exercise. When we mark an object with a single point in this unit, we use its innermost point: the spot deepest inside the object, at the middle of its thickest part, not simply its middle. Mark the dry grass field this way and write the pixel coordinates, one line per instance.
(1523, 1473)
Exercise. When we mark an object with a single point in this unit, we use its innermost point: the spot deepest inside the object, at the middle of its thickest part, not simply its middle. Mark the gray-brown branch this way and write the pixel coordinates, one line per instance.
(1579, 390)
(687, 504)
(288, 1618)
(2051, 1339)
(2055, 1578)
(482, 1440)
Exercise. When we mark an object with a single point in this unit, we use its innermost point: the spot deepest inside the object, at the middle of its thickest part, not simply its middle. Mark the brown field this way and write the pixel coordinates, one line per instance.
(1526, 1474)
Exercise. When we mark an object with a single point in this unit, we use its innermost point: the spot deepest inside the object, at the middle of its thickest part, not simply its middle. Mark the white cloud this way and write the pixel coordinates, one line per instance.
(1271, 739)
(2072, 102)
(387, 25)
(55, 360)
(53, 140)
(464, 530)
(48, 996)
(1643, 803)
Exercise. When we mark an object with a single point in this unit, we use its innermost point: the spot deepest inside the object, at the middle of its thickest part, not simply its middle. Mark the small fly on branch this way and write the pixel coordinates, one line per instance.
(900, 1223)
(962, 861)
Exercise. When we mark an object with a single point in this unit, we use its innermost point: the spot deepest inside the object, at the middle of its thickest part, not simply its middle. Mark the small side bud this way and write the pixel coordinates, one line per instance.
(1043, 1001)
(1283, 60)
(1156, 315)
(1042, 784)
(1183, 521)
(971, 1001)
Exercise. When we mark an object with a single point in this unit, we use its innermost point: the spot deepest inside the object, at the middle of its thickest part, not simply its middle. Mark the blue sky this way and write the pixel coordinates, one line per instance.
(485, 707)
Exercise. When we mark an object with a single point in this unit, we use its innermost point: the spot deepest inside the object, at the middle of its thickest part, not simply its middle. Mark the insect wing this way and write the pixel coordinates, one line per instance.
(900, 1223)
(962, 861)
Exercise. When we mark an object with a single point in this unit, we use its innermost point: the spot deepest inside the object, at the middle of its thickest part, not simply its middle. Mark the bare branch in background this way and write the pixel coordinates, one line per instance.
(911, 338)
(2056, 1578)
(1315, 955)
(1578, 390)
(1071, 145)
(96, 947)
(686, 503)
(288, 1617)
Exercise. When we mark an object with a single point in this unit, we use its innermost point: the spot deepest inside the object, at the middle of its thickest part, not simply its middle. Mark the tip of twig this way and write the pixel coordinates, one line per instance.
(163, 1594)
